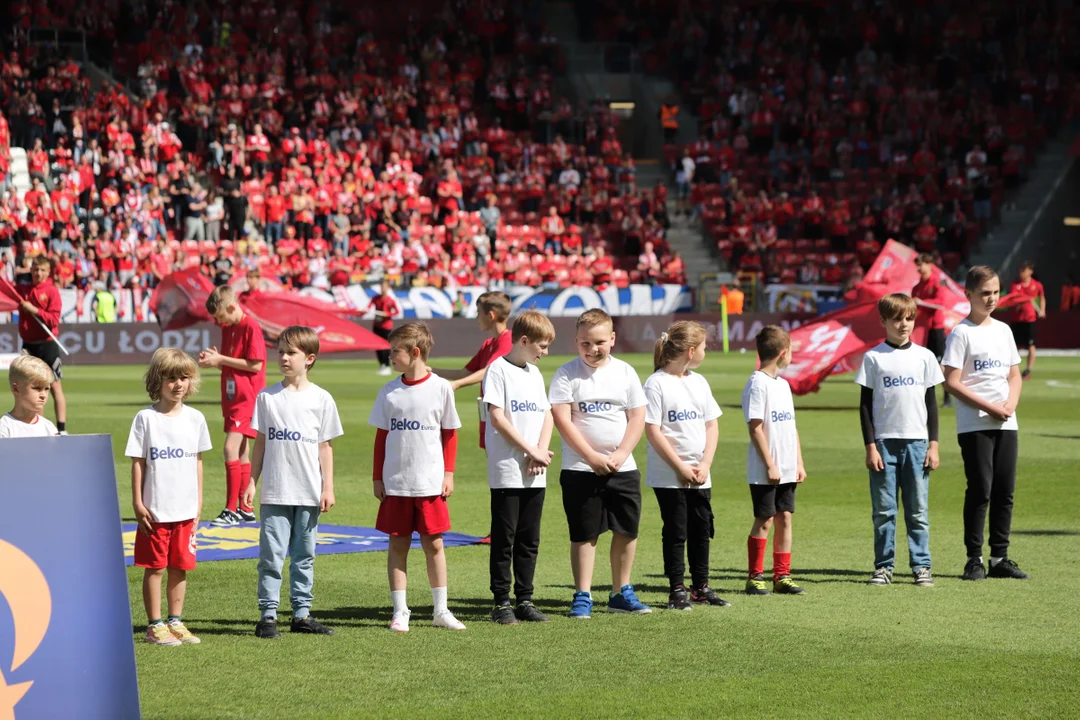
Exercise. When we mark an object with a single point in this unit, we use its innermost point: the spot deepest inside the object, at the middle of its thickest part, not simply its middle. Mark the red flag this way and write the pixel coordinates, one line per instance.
(820, 348)
(180, 299)
(276, 311)
(894, 271)
(9, 296)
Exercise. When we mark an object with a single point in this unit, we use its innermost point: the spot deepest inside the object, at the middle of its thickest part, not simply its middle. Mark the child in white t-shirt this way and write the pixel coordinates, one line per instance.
(681, 425)
(413, 470)
(982, 371)
(898, 413)
(518, 433)
(165, 445)
(599, 408)
(774, 463)
(30, 379)
(296, 421)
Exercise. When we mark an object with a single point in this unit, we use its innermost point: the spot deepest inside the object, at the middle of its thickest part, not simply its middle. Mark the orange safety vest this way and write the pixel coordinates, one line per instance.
(734, 300)
(669, 116)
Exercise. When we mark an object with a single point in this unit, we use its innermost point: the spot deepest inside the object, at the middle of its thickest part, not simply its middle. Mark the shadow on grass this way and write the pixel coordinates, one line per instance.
(1059, 437)
(1048, 533)
(211, 627)
(143, 403)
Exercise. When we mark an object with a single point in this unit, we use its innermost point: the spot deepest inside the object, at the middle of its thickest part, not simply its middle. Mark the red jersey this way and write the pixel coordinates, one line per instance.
(244, 340)
(1025, 311)
(46, 298)
(385, 304)
(930, 291)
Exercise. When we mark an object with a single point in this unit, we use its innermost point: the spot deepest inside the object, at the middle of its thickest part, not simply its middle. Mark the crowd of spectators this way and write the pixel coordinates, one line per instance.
(307, 141)
(826, 128)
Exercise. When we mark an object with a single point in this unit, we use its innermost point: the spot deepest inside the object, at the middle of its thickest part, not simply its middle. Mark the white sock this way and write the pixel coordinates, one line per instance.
(995, 560)
(397, 597)
(438, 599)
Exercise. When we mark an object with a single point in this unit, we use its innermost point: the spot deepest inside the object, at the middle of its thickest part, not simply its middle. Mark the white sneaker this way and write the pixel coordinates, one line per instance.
(400, 622)
(384, 370)
(448, 621)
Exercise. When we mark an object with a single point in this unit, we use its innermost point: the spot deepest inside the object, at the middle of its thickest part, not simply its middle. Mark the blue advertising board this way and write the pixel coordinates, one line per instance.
(66, 643)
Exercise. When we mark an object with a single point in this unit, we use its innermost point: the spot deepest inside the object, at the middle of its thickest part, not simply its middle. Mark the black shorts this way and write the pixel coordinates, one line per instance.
(595, 504)
(50, 353)
(935, 342)
(1024, 334)
(772, 499)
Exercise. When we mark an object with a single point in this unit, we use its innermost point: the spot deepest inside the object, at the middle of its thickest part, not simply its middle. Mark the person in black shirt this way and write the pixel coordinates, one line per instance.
(235, 204)
(223, 268)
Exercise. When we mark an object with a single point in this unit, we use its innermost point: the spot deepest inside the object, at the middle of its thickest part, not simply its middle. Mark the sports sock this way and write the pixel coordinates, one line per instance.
(995, 560)
(60, 426)
(232, 484)
(438, 599)
(976, 557)
(397, 598)
(152, 623)
(781, 565)
(175, 618)
(245, 478)
(755, 551)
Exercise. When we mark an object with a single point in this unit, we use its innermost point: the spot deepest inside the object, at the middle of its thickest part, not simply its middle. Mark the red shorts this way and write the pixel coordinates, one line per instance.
(171, 545)
(238, 419)
(401, 516)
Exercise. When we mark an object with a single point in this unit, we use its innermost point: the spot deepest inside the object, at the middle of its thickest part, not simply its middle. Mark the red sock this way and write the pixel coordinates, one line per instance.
(755, 551)
(232, 484)
(245, 479)
(781, 565)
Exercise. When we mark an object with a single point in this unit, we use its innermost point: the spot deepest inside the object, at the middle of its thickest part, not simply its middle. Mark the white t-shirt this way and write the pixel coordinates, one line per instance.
(769, 400)
(984, 354)
(599, 399)
(294, 423)
(521, 394)
(414, 417)
(10, 427)
(680, 406)
(170, 445)
(899, 379)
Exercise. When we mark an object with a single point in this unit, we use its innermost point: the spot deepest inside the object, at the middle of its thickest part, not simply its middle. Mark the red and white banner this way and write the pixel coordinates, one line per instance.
(275, 311)
(9, 296)
(179, 300)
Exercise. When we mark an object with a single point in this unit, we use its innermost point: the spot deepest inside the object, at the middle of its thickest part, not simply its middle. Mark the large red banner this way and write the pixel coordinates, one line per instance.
(179, 300)
(275, 311)
(9, 296)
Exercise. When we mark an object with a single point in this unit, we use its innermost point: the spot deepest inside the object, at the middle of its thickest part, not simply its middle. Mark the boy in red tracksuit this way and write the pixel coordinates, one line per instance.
(41, 301)
(243, 376)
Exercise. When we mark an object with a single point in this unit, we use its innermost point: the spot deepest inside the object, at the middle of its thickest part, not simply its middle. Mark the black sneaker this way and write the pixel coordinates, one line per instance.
(267, 630)
(1026, 374)
(504, 614)
(1006, 569)
(527, 612)
(705, 594)
(227, 518)
(245, 515)
(756, 585)
(678, 599)
(309, 626)
(974, 570)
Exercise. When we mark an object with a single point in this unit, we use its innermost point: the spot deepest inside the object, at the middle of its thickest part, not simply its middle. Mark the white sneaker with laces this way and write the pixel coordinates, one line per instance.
(227, 518)
(448, 621)
(384, 370)
(400, 622)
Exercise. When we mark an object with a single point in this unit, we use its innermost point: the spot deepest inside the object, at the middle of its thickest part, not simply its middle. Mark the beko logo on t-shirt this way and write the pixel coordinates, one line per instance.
(681, 415)
(287, 435)
(991, 364)
(523, 406)
(404, 424)
(594, 407)
(898, 381)
(781, 416)
(170, 453)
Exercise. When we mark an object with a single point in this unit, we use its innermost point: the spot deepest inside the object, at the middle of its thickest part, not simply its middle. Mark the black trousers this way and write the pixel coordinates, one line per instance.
(383, 355)
(515, 540)
(990, 467)
(688, 523)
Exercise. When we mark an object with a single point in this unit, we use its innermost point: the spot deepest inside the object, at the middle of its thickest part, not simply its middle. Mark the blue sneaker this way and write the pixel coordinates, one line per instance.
(627, 602)
(581, 606)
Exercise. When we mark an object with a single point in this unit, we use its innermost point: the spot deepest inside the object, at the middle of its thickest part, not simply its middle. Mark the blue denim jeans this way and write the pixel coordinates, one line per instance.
(905, 474)
(292, 529)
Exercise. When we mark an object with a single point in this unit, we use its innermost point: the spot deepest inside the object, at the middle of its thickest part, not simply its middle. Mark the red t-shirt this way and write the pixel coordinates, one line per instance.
(492, 349)
(238, 388)
(930, 291)
(388, 305)
(1025, 311)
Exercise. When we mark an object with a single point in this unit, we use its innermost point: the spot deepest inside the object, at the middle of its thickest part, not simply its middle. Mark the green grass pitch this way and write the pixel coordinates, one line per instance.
(991, 649)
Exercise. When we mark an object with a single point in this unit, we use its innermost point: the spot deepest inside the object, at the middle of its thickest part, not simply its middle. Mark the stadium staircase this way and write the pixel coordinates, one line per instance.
(1006, 247)
(20, 172)
(603, 71)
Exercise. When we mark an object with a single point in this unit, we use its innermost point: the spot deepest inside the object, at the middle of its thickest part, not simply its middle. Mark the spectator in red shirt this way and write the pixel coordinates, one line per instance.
(1031, 308)
(385, 307)
(39, 315)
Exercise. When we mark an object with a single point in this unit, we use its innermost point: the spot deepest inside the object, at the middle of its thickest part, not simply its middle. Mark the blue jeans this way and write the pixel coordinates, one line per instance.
(904, 473)
(292, 529)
